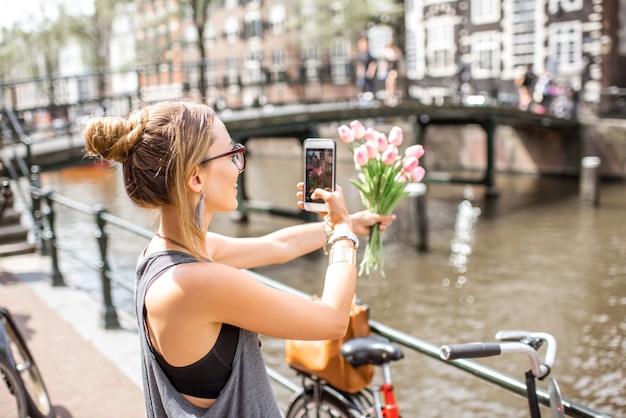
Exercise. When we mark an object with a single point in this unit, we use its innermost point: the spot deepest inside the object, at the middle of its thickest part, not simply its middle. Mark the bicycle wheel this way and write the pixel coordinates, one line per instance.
(306, 405)
(37, 398)
(12, 393)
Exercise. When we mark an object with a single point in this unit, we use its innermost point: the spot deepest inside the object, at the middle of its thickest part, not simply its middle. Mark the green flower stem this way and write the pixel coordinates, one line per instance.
(373, 256)
(380, 192)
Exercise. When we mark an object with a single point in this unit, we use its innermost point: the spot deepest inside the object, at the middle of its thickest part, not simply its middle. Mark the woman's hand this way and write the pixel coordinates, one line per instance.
(362, 221)
(337, 210)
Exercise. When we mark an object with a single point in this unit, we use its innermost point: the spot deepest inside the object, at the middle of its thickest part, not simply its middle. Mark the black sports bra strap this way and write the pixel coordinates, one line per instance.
(145, 324)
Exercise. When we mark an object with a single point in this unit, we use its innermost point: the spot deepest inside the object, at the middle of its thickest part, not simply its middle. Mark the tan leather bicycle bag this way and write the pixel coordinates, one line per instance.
(324, 360)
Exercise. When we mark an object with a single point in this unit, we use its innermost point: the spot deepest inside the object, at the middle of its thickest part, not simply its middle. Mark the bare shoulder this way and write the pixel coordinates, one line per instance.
(197, 286)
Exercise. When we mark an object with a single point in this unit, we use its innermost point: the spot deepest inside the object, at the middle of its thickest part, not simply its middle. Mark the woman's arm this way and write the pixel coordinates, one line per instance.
(285, 244)
(195, 295)
(275, 248)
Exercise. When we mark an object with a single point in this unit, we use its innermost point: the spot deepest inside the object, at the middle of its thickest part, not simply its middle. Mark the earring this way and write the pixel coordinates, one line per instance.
(200, 211)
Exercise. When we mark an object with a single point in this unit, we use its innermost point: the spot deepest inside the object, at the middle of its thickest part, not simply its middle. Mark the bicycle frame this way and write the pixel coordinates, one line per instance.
(390, 408)
(322, 397)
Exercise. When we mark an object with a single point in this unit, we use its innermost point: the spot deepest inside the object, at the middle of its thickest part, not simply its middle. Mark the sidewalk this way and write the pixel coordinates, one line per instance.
(89, 371)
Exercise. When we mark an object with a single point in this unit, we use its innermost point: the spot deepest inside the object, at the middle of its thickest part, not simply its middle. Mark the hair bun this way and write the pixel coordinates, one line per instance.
(114, 138)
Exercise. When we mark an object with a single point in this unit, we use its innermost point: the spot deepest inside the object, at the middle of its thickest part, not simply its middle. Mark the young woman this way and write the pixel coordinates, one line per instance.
(199, 314)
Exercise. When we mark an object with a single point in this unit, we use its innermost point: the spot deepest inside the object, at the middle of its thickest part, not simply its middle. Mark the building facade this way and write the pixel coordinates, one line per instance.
(257, 53)
(451, 49)
(254, 55)
(484, 46)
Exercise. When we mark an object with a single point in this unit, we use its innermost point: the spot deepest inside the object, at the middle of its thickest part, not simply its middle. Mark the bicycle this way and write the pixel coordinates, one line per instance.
(320, 399)
(518, 342)
(24, 392)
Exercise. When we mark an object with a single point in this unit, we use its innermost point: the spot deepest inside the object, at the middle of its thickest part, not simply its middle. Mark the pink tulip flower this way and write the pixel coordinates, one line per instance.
(358, 129)
(414, 151)
(371, 134)
(418, 174)
(395, 136)
(360, 156)
(390, 154)
(372, 149)
(346, 134)
(409, 164)
(381, 140)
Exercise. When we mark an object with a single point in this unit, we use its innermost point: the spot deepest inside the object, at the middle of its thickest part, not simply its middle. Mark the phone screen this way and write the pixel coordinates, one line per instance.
(319, 170)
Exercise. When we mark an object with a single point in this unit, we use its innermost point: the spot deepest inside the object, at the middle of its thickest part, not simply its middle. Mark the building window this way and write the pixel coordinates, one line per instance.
(523, 32)
(209, 34)
(308, 13)
(232, 72)
(485, 11)
(340, 61)
(440, 47)
(336, 12)
(276, 18)
(564, 5)
(278, 72)
(565, 46)
(253, 25)
(310, 71)
(231, 29)
(485, 54)
(253, 73)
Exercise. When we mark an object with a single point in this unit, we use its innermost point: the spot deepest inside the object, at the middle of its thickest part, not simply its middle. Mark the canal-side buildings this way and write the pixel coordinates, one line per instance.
(488, 44)
(452, 50)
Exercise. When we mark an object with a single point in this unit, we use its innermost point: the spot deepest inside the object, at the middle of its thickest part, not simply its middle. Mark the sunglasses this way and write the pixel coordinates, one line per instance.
(237, 154)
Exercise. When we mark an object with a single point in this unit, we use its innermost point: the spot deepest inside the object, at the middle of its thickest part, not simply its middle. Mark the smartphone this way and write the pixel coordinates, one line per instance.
(319, 170)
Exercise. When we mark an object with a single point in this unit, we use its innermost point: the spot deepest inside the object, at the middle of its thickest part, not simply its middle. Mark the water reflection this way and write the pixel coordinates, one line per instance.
(462, 243)
(539, 260)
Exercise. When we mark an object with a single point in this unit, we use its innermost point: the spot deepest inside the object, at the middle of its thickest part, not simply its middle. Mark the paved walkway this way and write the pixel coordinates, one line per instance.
(89, 372)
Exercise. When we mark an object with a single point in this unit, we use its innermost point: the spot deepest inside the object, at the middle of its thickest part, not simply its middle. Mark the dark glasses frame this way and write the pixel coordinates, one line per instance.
(237, 149)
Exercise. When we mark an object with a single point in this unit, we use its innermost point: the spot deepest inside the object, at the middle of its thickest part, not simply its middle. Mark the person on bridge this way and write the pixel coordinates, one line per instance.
(199, 313)
(365, 68)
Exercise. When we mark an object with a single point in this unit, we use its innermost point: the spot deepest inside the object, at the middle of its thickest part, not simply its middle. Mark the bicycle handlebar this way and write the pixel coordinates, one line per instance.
(513, 342)
(470, 350)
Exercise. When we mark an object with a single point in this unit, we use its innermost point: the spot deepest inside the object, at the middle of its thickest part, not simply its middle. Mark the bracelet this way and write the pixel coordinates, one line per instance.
(329, 233)
(341, 254)
(344, 232)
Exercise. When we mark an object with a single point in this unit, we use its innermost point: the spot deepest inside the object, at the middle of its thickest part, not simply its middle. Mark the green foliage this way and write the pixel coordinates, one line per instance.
(319, 22)
(34, 47)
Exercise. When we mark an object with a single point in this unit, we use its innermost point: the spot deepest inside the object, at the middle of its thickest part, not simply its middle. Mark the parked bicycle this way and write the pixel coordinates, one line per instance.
(319, 399)
(524, 342)
(22, 390)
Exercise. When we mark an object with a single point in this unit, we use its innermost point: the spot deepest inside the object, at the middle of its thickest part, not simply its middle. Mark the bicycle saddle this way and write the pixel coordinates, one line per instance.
(370, 350)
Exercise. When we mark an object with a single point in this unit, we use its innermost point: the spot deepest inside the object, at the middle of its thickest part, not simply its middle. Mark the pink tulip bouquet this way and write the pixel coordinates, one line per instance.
(383, 176)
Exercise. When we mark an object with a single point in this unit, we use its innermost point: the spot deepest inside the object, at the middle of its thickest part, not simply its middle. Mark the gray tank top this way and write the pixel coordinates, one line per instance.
(247, 393)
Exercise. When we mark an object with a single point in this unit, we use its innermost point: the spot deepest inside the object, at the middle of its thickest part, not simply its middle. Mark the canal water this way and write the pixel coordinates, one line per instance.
(534, 258)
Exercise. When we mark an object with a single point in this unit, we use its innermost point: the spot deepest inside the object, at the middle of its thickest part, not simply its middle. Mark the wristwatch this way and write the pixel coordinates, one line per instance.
(343, 232)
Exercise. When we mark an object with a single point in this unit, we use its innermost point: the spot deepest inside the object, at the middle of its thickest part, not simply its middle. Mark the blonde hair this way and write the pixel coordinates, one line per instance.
(158, 146)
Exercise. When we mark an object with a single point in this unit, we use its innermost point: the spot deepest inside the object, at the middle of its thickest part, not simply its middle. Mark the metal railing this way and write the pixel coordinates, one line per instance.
(103, 219)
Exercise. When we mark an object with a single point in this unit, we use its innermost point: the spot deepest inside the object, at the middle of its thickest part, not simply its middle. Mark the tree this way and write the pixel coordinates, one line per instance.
(198, 12)
(94, 34)
(322, 21)
(12, 49)
(43, 53)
